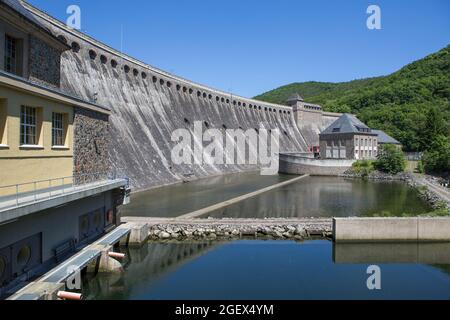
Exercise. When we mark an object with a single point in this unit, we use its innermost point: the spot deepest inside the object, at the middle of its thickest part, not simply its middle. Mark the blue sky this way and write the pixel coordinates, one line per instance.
(251, 46)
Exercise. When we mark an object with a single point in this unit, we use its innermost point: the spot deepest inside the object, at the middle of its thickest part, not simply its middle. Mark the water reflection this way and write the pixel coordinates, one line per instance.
(329, 196)
(253, 269)
(175, 200)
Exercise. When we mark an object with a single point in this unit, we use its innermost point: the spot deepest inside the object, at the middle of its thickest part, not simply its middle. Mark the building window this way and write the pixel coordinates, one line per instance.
(58, 129)
(10, 54)
(28, 126)
(356, 142)
(3, 121)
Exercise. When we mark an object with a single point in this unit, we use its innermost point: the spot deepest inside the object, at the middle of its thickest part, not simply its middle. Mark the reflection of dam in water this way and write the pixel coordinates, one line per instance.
(277, 270)
(146, 265)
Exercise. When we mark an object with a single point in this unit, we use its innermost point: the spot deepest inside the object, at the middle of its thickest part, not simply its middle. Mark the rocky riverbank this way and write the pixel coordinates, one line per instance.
(434, 199)
(377, 175)
(224, 230)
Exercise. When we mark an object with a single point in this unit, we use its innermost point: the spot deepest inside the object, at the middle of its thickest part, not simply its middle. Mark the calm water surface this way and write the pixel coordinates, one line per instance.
(253, 269)
(178, 199)
(309, 197)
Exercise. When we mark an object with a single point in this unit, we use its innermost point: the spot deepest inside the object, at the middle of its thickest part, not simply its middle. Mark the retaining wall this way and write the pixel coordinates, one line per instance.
(391, 229)
(294, 164)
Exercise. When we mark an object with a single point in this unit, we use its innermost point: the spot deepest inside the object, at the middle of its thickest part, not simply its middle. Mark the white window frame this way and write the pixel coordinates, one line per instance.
(58, 129)
(28, 122)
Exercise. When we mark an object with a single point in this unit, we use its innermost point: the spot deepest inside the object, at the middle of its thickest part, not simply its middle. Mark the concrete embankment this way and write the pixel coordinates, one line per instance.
(299, 164)
(391, 229)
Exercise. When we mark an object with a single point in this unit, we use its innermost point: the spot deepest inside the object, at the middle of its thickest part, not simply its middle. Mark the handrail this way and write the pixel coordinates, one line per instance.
(54, 187)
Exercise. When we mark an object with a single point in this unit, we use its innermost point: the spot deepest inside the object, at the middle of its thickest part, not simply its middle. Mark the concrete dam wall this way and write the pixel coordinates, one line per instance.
(149, 104)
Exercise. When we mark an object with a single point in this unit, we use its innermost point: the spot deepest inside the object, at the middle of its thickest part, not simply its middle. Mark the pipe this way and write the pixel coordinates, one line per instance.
(69, 295)
(116, 255)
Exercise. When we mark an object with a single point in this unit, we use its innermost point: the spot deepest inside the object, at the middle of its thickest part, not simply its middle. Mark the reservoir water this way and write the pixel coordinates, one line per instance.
(309, 197)
(253, 269)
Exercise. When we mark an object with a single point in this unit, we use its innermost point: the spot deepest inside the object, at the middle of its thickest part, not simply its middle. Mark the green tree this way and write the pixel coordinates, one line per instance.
(434, 126)
(390, 159)
(437, 157)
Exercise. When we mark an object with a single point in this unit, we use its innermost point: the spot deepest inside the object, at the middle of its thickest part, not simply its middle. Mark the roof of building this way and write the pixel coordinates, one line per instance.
(19, 9)
(347, 123)
(19, 83)
(294, 98)
(384, 138)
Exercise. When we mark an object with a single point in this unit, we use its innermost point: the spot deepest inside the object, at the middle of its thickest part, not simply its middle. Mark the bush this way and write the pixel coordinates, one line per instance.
(390, 160)
(363, 167)
(420, 167)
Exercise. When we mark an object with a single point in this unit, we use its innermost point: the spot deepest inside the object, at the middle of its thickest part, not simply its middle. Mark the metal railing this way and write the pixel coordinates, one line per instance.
(30, 192)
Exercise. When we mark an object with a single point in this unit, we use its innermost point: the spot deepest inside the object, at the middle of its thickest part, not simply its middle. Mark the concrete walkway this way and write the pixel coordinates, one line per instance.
(25, 198)
(441, 191)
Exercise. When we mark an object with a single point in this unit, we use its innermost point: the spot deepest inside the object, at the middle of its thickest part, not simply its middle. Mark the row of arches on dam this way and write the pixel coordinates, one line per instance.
(149, 104)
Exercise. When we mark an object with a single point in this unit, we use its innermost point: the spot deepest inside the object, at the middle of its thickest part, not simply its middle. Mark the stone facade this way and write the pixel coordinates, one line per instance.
(91, 143)
(44, 63)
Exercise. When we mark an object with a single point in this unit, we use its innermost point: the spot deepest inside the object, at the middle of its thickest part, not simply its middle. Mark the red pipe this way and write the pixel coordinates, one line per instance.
(116, 255)
(69, 295)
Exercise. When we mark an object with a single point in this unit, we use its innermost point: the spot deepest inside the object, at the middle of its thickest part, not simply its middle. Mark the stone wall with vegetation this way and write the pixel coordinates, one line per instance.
(44, 63)
(91, 143)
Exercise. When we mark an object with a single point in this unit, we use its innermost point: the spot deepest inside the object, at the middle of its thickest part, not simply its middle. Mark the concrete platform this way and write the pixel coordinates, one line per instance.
(28, 204)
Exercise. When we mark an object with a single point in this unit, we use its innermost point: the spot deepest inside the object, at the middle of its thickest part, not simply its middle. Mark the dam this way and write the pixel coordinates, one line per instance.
(99, 190)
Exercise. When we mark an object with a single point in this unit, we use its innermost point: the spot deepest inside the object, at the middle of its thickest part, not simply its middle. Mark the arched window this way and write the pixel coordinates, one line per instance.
(75, 47)
(113, 63)
(92, 54)
(126, 68)
(154, 79)
(161, 82)
(169, 84)
(103, 59)
(135, 72)
(178, 87)
(143, 75)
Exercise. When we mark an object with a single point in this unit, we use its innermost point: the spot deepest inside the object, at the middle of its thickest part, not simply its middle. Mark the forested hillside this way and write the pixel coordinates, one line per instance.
(404, 104)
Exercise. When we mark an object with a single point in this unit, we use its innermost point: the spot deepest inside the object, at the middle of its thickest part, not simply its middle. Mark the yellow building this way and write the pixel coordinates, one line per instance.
(36, 134)
(36, 118)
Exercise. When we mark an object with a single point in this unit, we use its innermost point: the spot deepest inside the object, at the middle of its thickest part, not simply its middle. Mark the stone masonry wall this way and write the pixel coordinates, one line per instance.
(91, 143)
(44, 63)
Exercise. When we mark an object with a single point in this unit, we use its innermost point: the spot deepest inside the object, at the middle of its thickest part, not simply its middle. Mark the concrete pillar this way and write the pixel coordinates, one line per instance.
(137, 236)
(105, 264)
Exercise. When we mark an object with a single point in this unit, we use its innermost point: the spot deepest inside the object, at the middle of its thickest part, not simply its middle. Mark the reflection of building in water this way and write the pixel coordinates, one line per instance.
(146, 265)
